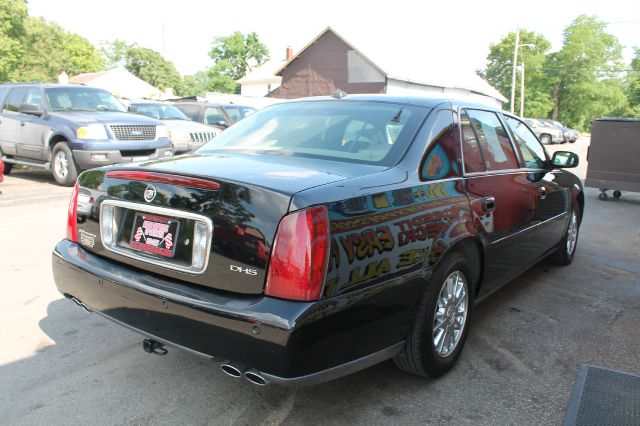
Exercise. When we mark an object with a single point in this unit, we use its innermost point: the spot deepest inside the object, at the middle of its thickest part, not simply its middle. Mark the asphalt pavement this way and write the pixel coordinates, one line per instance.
(60, 365)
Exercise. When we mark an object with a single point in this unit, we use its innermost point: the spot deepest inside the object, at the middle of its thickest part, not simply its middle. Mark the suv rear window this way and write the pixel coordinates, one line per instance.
(14, 100)
(362, 132)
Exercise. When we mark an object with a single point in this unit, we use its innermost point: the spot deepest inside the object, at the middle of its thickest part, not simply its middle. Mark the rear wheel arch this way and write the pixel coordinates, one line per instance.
(475, 253)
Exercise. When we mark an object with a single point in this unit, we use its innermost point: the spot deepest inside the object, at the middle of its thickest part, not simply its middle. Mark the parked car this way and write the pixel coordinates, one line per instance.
(570, 135)
(218, 115)
(185, 135)
(546, 133)
(70, 128)
(318, 237)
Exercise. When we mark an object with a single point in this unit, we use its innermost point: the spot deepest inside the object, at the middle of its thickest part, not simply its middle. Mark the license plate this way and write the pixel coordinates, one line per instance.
(154, 234)
(134, 159)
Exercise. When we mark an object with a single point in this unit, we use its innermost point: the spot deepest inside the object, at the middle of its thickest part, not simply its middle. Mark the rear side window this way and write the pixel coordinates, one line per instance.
(3, 94)
(237, 113)
(495, 146)
(443, 150)
(14, 100)
(191, 111)
(532, 151)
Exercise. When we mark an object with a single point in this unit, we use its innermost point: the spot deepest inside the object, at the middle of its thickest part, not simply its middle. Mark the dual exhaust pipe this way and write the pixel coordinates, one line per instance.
(229, 368)
(237, 371)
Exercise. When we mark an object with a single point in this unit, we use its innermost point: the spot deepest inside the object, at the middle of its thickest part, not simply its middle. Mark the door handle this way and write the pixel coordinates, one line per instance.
(542, 193)
(488, 204)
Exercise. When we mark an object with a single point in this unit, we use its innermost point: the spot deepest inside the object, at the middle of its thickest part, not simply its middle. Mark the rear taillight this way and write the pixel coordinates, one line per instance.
(298, 262)
(72, 216)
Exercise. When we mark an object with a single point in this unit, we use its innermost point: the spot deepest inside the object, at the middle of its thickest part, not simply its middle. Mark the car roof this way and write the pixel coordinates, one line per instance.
(223, 104)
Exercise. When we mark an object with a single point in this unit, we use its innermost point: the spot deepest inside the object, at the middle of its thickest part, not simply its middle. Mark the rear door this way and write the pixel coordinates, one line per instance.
(500, 194)
(12, 120)
(32, 133)
(552, 201)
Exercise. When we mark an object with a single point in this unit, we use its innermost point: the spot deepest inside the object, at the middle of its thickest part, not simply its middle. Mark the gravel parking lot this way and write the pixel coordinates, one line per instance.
(60, 365)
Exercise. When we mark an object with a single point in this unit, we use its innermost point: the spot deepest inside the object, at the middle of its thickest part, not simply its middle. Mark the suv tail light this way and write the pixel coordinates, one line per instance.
(72, 216)
(299, 258)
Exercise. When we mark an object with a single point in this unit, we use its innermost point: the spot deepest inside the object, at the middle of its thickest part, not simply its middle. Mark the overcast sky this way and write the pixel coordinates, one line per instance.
(459, 31)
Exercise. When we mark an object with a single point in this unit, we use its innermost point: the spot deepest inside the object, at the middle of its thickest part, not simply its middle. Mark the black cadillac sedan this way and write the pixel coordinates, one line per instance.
(318, 237)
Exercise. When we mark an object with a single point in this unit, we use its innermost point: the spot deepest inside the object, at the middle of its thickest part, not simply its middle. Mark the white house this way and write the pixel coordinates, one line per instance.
(120, 83)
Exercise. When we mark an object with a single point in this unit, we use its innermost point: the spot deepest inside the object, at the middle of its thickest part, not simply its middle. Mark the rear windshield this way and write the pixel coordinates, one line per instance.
(361, 132)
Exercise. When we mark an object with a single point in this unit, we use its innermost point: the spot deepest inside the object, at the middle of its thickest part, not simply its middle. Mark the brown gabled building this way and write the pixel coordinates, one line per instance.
(329, 62)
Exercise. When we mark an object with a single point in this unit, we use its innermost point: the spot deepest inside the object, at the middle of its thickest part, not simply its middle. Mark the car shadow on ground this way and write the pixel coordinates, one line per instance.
(95, 362)
(34, 175)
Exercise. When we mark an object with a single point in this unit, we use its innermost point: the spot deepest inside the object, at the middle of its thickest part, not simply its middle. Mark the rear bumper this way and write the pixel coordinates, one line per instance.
(290, 343)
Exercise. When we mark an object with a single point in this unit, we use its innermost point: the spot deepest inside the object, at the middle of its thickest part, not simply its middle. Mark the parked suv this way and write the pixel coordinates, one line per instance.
(70, 128)
(185, 134)
(218, 115)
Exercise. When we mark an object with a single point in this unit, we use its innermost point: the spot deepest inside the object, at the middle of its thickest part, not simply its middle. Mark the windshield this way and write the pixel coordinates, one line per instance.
(361, 132)
(237, 112)
(158, 111)
(81, 98)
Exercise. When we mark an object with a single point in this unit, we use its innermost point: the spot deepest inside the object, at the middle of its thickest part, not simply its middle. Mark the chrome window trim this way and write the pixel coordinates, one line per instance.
(164, 212)
(529, 228)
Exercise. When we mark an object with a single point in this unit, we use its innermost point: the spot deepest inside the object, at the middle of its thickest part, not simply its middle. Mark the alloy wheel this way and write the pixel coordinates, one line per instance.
(450, 314)
(61, 164)
(572, 233)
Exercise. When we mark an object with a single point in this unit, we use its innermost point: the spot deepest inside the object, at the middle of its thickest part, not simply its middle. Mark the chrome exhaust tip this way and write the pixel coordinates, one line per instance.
(256, 378)
(231, 369)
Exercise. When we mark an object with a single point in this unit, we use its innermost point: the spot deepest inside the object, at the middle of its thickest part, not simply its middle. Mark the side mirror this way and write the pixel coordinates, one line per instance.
(32, 109)
(222, 123)
(565, 159)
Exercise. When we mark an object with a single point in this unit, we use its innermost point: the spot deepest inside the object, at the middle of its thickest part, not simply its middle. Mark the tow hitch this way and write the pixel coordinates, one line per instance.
(153, 347)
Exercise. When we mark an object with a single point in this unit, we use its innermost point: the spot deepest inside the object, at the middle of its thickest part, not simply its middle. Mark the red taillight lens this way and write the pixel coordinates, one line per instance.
(72, 216)
(298, 261)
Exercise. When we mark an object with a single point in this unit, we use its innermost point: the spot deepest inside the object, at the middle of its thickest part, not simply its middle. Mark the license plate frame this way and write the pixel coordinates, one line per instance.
(154, 234)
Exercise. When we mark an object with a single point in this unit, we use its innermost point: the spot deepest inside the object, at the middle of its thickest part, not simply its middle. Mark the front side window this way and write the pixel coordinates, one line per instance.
(237, 113)
(366, 132)
(81, 99)
(532, 151)
(213, 115)
(33, 96)
(495, 146)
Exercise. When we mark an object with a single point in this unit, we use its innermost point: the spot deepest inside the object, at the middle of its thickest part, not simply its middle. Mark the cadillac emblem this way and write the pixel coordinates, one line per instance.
(149, 193)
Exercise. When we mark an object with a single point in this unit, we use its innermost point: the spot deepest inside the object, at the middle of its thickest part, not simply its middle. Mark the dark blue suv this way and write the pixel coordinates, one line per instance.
(70, 128)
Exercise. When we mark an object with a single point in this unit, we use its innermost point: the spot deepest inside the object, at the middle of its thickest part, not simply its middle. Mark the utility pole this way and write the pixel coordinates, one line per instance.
(513, 75)
(522, 92)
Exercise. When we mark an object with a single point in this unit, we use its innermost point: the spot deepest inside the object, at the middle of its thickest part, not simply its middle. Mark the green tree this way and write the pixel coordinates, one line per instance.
(584, 73)
(12, 16)
(146, 64)
(196, 85)
(499, 70)
(234, 56)
(632, 86)
(49, 49)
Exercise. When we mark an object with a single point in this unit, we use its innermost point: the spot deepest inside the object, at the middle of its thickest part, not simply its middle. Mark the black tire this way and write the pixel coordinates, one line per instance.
(617, 194)
(7, 168)
(564, 254)
(419, 355)
(545, 139)
(66, 172)
(603, 196)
